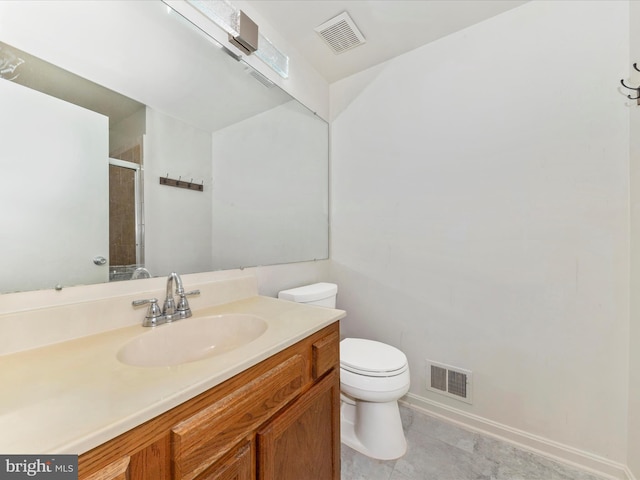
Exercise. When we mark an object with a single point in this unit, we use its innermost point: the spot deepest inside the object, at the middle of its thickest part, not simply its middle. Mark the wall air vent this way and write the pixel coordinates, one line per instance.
(340, 33)
(450, 381)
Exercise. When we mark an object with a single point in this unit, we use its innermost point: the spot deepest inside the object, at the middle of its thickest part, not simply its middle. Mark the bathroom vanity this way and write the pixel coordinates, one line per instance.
(264, 408)
(277, 420)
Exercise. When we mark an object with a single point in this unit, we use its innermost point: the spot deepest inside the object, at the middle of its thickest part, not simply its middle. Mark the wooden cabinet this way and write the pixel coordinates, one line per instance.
(304, 441)
(277, 420)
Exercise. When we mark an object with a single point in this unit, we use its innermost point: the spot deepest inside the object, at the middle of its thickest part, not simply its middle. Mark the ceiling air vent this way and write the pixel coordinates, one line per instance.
(340, 33)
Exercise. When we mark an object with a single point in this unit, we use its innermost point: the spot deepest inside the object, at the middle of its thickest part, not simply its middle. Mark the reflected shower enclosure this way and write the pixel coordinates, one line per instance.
(126, 214)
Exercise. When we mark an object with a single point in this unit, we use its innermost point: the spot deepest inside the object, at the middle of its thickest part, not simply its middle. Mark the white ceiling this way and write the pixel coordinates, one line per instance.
(391, 27)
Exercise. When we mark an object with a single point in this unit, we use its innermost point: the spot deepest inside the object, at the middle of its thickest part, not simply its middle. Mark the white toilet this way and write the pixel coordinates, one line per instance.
(373, 376)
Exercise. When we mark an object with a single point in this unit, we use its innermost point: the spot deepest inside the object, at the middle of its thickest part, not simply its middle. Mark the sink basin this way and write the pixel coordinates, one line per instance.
(191, 339)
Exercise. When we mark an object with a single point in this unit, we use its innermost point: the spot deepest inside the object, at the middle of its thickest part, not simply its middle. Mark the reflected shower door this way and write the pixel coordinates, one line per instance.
(125, 219)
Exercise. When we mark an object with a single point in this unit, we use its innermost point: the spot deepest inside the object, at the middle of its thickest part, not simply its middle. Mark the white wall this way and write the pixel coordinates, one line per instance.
(480, 216)
(177, 220)
(270, 192)
(633, 458)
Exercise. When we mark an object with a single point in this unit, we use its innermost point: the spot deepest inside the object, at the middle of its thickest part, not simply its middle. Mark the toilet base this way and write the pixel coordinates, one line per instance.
(373, 429)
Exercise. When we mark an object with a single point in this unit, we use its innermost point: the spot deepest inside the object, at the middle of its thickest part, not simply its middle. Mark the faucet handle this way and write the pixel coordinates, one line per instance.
(183, 305)
(152, 301)
(153, 312)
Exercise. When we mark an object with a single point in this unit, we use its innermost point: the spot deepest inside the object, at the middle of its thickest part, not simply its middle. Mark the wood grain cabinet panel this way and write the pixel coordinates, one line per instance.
(325, 354)
(238, 466)
(303, 442)
(204, 438)
(118, 470)
(152, 462)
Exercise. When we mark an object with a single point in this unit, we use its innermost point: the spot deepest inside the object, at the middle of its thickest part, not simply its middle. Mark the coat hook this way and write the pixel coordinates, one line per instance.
(627, 86)
(172, 182)
(635, 65)
(637, 89)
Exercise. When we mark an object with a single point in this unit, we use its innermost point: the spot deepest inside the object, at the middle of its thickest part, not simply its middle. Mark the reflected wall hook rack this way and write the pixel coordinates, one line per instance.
(635, 89)
(172, 182)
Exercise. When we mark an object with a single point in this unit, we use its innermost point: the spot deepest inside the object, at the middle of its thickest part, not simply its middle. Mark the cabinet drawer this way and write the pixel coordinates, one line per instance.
(205, 437)
(326, 354)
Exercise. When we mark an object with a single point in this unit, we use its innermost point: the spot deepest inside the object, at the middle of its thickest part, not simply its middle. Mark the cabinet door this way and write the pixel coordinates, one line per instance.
(304, 440)
(238, 466)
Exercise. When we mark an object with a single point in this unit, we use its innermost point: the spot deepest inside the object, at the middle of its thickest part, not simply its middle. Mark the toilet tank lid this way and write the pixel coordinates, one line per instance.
(309, 293)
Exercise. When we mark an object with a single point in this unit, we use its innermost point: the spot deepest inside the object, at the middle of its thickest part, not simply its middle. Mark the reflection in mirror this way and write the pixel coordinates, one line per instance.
(85, 162)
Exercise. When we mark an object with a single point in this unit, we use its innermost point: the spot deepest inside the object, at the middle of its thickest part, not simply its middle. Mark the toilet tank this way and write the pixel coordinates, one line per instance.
(320, 294)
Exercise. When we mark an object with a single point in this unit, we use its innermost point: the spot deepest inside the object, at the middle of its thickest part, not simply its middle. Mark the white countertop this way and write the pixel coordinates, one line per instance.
(73, 396)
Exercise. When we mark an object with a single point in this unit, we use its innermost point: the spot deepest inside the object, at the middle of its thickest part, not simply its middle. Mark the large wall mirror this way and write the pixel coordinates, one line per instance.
(133, 145)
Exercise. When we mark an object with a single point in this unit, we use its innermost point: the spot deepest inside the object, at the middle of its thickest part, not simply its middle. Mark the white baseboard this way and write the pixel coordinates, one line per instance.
(558, 451)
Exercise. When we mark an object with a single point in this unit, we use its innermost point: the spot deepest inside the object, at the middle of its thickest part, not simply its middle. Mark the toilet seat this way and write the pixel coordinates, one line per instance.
(371, 358)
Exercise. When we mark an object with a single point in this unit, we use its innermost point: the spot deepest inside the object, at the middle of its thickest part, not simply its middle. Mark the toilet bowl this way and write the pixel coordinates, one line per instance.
(373, 376)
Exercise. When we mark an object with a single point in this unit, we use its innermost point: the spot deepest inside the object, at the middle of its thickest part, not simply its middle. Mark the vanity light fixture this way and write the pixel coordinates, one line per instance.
(273, 57)
(247, 38)
(221, 12)
(243, 33)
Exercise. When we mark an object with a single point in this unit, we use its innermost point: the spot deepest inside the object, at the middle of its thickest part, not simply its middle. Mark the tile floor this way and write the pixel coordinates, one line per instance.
(438, 450)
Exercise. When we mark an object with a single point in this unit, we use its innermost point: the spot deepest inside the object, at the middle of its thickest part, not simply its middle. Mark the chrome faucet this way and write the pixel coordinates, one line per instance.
(170, 310)
(169, 307)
